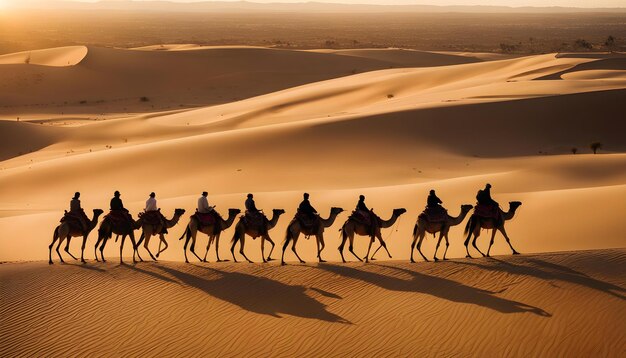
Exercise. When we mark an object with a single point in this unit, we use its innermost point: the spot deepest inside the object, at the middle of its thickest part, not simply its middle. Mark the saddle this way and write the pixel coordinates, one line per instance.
(151, 217)
(118, 217)
(255, 220)
(365, 218)
(487, 211)
(308, 222)
(74, 219)
(434, 214)
(206, 219)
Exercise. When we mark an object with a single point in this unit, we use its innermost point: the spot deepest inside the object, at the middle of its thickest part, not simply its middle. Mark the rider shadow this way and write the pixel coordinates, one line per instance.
(258, 294)
(437, 287)
(550, 271)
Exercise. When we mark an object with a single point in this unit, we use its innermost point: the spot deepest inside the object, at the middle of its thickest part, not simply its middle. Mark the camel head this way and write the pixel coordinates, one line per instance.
(398, 212)
(97, 212)
(179, 212)
(335, 210)
(278, 212)
(515, 204)
(233, 212)
(466, 208)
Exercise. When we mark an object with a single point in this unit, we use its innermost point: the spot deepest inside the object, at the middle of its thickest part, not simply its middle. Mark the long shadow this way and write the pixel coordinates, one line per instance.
(88, 267)
(151, 273)
(258, 294)
(435, 286)
(550, 271)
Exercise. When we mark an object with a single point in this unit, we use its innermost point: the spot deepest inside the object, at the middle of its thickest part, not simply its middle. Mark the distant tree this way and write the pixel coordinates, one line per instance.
(27, 60)
(595, 146)
(574, 150)
(582, 43)
(610, 43)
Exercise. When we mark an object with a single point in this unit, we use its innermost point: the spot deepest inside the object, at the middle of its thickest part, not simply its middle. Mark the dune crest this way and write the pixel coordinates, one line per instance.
(53, 57)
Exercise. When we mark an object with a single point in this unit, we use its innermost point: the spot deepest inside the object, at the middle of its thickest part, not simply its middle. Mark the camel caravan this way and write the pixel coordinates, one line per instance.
(434, 220)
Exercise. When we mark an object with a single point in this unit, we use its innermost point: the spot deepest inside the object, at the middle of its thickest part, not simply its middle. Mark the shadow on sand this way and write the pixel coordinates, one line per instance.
(257, 294)
(549, 271)
(435, 286)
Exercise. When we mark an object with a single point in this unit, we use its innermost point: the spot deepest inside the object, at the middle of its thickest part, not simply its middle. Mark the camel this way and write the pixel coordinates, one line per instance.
(193, 228)
(148, 230)
(476, 223)
(351, 227)
(241, 229)
(422, 226)
(109, 227)
(65, 230)
(295, 228)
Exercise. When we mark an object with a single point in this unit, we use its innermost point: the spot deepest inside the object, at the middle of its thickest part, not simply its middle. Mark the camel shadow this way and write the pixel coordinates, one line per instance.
(257, 294)
(435, 286)
(550, 271)
(152, 273)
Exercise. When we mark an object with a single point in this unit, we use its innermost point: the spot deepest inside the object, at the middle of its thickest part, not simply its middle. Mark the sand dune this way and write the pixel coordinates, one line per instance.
(391, 134)
(534, 305)
(55, 57)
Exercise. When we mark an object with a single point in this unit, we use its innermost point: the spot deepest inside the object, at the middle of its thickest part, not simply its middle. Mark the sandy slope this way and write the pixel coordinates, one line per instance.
(569, 304)
(391, 134)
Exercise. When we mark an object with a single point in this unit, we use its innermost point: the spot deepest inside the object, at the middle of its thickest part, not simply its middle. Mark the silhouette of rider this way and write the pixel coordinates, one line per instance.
(306, 208)
(79, 213)
(117, 205)
(433, 204)
(255, 213)
(484, 197)
(203, 204)
(361, 204)
(151, 207)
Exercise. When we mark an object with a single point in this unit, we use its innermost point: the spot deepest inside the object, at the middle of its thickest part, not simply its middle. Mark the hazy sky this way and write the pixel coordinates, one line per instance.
(572, 3)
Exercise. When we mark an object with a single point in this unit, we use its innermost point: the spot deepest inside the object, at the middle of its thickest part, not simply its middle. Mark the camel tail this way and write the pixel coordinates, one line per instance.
(55, 235)
(415, 229)
(288, 236)
(470, 225)
(187, 232)
(236, 237)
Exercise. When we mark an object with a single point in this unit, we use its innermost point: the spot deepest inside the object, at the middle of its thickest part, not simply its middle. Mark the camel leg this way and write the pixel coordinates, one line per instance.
(375, 251)
(293, 248)
(82, 250)
(344, 235)
(162, 241)
(192, 248)
(447, 245)
(269, 256)
(263, 248)
(145, 245)
(67, 247)
(95, 248)
(419, 245)
(122, 248)
(384, 245)
(208, 246)
(232, 247)
(469, 236)
(437, 246)
(57, 249)
(474, 242)
(187, 238)
(415, 237)
(135, 247)
(54, 239)
(243, 241)
(351, 247)
(322, 245)
(217, 246)
(369, 247)
(104, 241)
(287, 239)
(508, 241)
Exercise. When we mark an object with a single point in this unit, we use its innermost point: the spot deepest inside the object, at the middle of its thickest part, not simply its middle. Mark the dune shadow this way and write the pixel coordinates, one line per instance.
(550, 271)
(257, 294)
(435, 286)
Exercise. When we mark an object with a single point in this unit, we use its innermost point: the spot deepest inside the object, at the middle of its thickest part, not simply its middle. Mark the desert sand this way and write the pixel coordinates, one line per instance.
(390, 124)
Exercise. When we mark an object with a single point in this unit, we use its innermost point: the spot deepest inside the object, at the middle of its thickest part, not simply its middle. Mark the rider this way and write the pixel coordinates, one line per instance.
(151, 207)
(483, 197)
(117, 205)
(361, 204)
(78, 212)
(433, 204)
(306, 208)
(255, 213)
(203, 204)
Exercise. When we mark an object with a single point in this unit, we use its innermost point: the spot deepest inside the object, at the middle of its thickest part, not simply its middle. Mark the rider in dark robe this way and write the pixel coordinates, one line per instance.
(255, 213)
(361, 204)
(306, 208)
(433, 206)
(118, 206)
(486, 204)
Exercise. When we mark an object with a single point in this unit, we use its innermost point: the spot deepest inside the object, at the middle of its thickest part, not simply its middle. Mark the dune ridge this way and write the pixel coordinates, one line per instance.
(462, 307)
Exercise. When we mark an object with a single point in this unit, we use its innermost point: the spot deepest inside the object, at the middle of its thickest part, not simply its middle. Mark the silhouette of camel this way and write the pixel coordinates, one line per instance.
(435, 286)
(66, 230)
(108, 227)
(475, 223)
(242, 229)
(295, 228)
(352, 227)
(422, 226)
(257, 294)
(192, 230)
(147, 230)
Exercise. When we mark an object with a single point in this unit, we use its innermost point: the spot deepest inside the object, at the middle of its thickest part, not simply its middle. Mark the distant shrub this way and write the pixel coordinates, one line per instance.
(610, 42)
(595, 146)
(144, 99)
(574, 150)
(390, 95)
(583, 44)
